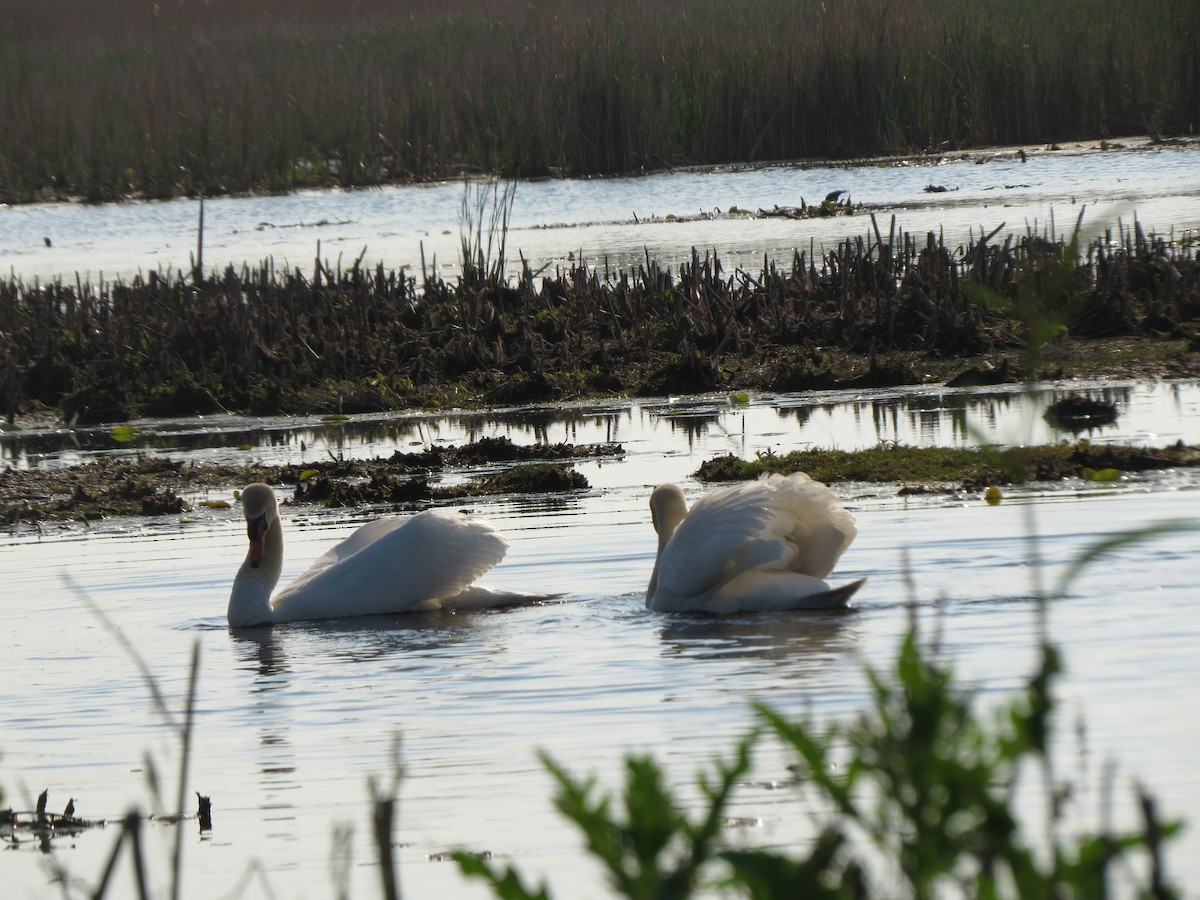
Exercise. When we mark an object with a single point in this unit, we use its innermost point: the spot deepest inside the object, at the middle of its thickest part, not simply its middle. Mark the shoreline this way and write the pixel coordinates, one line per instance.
(931, 157)
(149, 486)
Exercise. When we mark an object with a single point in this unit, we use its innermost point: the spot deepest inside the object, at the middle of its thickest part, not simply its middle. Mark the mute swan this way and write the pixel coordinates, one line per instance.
(427, 561)
(759, 545)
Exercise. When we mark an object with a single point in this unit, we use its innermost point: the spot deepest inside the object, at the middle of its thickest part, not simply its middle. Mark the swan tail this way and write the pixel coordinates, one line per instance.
(776, 591)
(838, 597)
(478, 597)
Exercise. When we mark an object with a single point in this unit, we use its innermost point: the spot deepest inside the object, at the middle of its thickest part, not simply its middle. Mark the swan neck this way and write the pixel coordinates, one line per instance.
(250, 600)
(667, 517)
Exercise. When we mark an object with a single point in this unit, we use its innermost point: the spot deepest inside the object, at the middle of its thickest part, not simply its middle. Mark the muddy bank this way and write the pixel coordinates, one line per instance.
(108, 488)
(152, 487)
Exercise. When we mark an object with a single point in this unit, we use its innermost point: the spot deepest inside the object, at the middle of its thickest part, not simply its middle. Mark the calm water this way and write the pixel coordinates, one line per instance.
(656, 431)
(614, 221)
(293, 721)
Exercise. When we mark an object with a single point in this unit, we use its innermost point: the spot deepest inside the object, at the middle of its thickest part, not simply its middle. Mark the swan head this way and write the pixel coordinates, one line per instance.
(667, 509)
(250, 598)
(261, 509)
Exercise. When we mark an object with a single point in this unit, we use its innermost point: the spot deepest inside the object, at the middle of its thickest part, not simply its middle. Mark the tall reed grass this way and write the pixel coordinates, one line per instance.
(104, 100)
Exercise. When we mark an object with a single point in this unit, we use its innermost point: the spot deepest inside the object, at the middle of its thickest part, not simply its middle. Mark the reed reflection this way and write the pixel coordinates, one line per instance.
(846, 420)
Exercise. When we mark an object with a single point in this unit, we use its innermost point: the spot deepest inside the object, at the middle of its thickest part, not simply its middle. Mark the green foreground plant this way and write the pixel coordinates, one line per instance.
(918, 792)
(924, 806)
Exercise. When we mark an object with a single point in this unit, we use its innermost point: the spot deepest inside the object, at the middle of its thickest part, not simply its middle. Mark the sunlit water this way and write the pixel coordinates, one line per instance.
(655, 430)
(615, 222)
(293, 722)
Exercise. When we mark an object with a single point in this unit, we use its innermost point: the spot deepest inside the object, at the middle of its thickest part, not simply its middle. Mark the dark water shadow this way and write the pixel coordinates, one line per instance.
(267, 649)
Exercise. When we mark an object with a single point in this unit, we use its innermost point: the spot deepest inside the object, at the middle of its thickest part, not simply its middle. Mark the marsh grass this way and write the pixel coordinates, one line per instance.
(107, 100)
(873, 311)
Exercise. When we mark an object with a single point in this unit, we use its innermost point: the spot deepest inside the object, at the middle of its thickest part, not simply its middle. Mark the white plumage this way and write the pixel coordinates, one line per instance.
(757, 545)
(427, 561)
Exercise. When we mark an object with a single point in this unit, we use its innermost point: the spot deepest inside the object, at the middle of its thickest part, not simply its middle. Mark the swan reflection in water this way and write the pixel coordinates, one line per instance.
(280, 665)
(267, 651)
(793, 644)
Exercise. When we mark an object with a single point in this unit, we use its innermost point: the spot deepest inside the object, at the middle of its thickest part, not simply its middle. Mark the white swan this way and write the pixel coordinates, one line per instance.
(424, 562)
(758, 545)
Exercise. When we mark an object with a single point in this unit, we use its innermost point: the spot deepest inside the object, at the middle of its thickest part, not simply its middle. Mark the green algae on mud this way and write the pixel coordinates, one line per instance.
(148, 486)
(969, 468)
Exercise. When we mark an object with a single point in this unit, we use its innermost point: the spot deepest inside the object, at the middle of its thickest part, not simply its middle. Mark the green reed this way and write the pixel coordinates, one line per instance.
(483, 232)
(124, 97)
(915, 797)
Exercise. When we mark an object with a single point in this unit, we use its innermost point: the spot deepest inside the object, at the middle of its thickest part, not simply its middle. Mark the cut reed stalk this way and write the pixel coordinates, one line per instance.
(266, 340)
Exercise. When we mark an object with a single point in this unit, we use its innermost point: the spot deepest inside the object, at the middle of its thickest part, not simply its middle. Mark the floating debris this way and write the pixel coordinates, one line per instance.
(741, 822)
(204, 812)
(830, 206)
(38, 828)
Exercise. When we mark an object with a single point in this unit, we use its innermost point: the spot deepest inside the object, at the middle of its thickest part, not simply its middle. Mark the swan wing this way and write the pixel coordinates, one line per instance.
(478, 597)
(725, 533)
(362, 537)
(391, 565)
(765, 544)
(816, 523)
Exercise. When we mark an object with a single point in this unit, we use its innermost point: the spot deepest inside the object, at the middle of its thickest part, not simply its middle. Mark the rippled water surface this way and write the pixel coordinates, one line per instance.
(292, 722)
